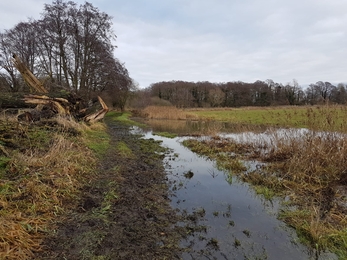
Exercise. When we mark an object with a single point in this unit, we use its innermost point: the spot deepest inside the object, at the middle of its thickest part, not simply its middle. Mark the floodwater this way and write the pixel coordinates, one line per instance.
(238, 223)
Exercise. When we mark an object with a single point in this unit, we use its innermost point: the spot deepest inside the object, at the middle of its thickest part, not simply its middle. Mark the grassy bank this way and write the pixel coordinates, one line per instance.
(42, 168)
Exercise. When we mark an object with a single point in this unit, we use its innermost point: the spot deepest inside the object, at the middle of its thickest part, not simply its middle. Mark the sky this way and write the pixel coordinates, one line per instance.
(220, 40)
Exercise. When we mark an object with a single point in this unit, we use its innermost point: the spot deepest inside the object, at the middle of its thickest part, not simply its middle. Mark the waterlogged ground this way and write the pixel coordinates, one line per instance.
(126, 211)
(230, 221)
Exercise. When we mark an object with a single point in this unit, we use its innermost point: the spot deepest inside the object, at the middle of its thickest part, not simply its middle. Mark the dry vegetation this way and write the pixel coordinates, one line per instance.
(166, 112)
(41, 169)
(309, 170)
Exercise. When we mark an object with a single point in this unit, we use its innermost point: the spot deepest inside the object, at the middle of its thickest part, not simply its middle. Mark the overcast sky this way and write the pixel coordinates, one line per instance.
(220, 40)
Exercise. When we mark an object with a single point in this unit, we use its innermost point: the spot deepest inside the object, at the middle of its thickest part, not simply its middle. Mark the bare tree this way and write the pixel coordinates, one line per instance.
(70, 47)
(11, 76)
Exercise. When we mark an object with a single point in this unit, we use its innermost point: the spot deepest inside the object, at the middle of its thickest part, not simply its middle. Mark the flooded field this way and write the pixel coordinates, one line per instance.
(235, 222)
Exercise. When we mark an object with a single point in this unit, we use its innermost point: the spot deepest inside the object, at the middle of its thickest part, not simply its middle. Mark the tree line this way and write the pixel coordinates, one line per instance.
(236, 94)
(70, 47)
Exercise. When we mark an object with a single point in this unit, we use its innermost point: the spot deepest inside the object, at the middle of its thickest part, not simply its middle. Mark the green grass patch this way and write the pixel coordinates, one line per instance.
(97, 140)
(123, 150)
(165, 134)
(338, 240)
(265, 191)
(122, 117)
(110, 196)
(232, 165)
(326, 118)
(3, 162)
(314, 232)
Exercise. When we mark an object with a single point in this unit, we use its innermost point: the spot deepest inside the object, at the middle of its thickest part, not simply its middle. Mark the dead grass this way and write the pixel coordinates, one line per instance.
(166, 112)
(38, 184)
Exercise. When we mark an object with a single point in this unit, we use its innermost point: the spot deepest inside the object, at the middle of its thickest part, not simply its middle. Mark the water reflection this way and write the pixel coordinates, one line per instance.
(239, 224)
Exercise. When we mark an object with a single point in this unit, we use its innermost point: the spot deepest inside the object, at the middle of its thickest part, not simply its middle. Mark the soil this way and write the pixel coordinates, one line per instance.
(124, 213)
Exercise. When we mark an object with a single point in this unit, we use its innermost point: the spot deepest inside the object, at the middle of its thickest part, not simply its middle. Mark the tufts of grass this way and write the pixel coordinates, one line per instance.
(3, 163)
(109, 197)
(123, 150)
(222, 152)
(165, 134)
(97, 139)
(265, 191)
(123, 117)
(232, 165)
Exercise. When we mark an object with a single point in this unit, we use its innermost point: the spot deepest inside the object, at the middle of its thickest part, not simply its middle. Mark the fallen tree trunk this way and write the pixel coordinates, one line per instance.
(58, 104)
(13, 100)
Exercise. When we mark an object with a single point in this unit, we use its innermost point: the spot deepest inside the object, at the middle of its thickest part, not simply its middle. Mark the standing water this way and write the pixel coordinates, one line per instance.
(238, 224)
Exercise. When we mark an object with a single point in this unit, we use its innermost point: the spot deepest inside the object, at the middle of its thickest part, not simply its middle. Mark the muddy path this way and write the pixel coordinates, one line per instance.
(124, 213)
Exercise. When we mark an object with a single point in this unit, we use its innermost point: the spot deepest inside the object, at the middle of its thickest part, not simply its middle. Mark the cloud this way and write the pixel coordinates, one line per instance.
(222, 40)
(15, 11)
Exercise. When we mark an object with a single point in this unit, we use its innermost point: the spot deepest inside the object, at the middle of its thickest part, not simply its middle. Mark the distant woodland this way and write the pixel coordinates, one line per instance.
(71, 48)
(237, 94)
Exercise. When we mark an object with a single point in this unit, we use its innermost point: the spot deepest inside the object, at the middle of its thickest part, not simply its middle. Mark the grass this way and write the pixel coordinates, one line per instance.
(123, 150)
(42, 169)
(325, 118)
(165, 134)
(97, 139)
(123, 117)
(109, 197)
(265, 191)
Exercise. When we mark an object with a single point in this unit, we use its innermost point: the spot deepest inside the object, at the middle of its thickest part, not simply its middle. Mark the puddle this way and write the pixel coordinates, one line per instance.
(239, 224)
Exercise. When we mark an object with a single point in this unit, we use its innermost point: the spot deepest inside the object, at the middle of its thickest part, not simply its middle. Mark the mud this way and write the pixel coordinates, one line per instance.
(124, 213)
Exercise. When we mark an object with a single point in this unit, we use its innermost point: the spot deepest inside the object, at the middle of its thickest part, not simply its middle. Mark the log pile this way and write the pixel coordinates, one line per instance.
(46, 105)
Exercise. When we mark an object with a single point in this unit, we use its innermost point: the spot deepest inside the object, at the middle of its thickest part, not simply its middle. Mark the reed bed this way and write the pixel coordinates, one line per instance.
(166, 112)
(39, 181)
